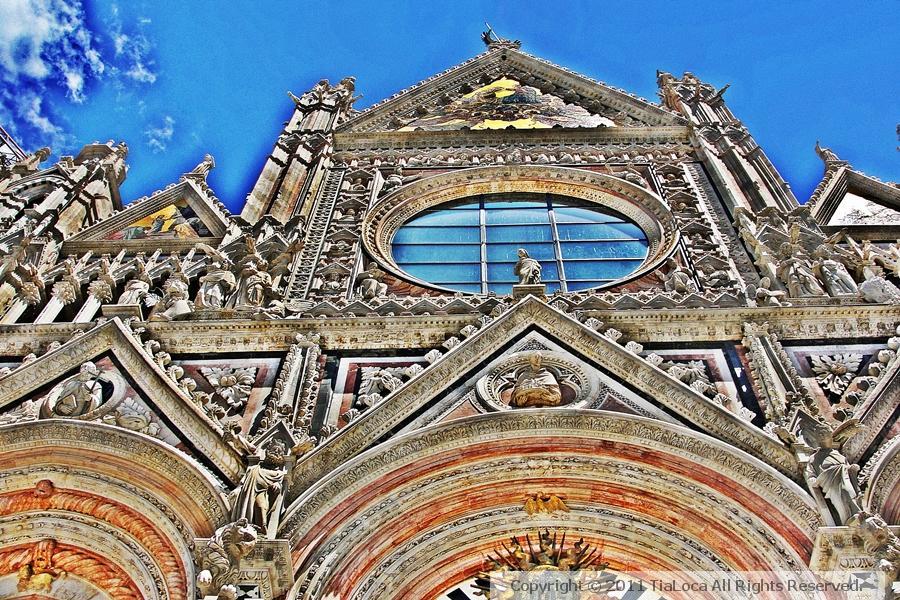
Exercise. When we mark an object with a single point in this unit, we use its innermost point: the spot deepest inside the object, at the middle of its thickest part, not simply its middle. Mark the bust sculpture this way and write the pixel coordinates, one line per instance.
(79, 395)
(527, 269)
(535, 386)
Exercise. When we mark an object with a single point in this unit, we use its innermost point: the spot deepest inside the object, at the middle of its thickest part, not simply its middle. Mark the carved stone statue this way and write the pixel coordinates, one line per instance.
(826, 154)
(175, 303)
(255, 282)
(768, 297)
(260, 496)
(394, 180)
(370, 283)
(527, 269)
(678, 279)
(797, 275)
(78, 395)
(535, 386)
(835, 276)
(221, 559)
(206, 165)
(138, 286)
(215, 286)
(829, 470)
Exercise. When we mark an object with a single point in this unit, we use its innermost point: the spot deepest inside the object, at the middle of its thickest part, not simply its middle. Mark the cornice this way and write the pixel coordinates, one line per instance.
(390, 140)
(714, 325)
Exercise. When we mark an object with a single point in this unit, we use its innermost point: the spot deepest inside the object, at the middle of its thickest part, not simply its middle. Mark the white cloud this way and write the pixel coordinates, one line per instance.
(32, 110)
(158, 137)
(140, 72)
(75, 85)
(132, 48)
(47, 47)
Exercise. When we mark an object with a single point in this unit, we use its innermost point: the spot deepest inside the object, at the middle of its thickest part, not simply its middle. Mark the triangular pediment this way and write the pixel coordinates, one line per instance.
(849, 199)
(177, 218)
(636, 386)
(505, 88)
(855, 209)
(105, 377)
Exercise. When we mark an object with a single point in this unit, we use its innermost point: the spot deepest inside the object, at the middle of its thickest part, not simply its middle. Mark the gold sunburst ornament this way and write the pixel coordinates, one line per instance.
(548, 554)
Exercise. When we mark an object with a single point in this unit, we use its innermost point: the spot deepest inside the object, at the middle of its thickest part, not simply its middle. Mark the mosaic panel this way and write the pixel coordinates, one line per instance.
(507, 103)
(177, 221)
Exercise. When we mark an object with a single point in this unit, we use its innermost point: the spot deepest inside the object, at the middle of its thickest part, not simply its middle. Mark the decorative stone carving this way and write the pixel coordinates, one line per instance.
(535, 386)
(541, 503)
(221, 558)
(828, 469)
(129, 414)
(39, 573)
(536, 379)
(527, 269)
(232, 384)
(879, 290)
(834, 373)
(882, 544)
(370, 283)
(548, 554)
(259, 498)
(378, 382)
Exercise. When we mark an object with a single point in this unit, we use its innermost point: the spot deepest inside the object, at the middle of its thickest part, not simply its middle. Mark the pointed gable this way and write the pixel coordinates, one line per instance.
(128, 391)
(846, 198)
(621, 366)
(177, 217)
(505, 87)
(506, 103)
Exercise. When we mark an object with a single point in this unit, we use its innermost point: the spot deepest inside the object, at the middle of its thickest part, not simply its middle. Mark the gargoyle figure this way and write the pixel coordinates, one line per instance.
(220, 560)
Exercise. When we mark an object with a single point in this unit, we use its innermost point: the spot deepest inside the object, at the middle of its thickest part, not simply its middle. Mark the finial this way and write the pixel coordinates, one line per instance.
(492, 40)
(827, 154)
(202, 170)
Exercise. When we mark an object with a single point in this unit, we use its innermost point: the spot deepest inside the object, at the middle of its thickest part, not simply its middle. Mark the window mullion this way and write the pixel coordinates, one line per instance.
(557, 250)
(482, 221)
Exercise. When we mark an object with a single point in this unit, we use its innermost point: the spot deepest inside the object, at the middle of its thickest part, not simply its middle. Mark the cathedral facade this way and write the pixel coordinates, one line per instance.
(509, 320)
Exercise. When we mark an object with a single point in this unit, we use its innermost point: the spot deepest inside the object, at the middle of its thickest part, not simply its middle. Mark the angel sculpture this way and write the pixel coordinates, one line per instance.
(828, 469)
(544, 503)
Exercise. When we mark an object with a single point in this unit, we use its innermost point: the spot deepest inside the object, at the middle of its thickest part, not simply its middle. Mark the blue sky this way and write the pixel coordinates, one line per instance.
(178, 79)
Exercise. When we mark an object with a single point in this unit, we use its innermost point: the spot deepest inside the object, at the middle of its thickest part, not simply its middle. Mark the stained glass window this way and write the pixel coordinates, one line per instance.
(470, 245)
